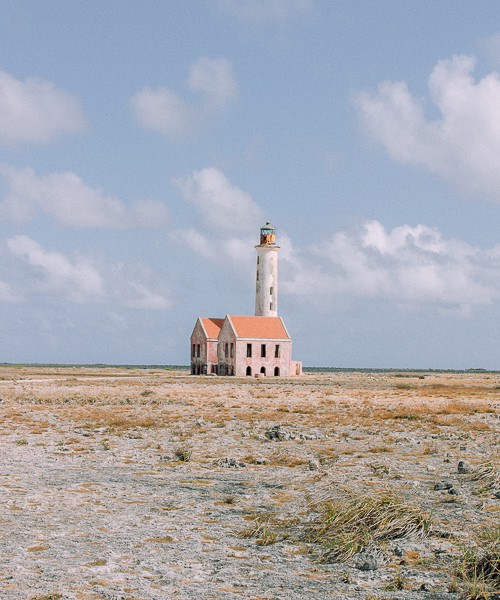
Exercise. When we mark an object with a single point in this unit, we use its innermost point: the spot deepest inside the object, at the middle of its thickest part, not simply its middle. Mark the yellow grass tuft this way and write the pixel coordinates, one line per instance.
(344, 528)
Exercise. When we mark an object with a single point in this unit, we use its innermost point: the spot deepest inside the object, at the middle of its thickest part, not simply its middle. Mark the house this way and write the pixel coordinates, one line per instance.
(252, 345)
(257, 345)
(204, 341)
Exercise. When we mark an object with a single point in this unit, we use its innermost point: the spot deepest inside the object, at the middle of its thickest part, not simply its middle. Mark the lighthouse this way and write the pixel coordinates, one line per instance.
(266, 289)
(258, 346)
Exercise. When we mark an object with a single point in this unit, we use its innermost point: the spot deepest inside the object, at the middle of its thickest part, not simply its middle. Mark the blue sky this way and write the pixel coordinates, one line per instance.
(143, 144)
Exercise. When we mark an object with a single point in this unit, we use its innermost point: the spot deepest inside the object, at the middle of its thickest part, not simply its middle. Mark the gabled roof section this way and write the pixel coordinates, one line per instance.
(263, 328)
(211, 326)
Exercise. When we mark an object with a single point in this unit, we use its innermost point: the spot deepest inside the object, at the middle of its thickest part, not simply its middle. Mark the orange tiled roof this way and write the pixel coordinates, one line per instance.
(264, 328)
(212, 326)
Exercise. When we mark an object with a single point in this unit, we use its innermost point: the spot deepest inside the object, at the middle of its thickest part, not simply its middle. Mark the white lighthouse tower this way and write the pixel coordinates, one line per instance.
(266, 291)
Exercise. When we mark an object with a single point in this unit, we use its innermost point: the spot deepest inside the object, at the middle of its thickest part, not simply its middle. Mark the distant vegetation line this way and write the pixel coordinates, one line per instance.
(305, 369)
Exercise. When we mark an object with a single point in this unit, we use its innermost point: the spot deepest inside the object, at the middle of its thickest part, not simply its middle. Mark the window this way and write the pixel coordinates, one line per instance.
(257, 260)
(226, 353)
(277, 351)
(198, 350)
(249, 350)
(193, 351)
(232, 350)
(271, 290)
(263, 350)
(270, 306)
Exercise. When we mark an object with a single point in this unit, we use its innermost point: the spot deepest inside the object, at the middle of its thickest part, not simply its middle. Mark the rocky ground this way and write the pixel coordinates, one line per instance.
(136, 484)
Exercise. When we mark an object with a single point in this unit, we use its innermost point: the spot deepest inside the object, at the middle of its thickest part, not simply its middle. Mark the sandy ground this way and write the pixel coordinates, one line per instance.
(136, 484)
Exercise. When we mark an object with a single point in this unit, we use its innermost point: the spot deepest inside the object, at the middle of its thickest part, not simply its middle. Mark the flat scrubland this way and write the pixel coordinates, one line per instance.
(152, 484)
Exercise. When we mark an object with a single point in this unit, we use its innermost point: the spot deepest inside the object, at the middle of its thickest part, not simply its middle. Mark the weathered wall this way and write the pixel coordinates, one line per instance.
(227, 363)
(266, 285)
(257, 361)
(240, 361)
(207, 358)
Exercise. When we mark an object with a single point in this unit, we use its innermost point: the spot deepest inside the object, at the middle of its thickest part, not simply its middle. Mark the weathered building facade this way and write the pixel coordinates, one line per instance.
(257, 345)
(253, 345)
(204, 341)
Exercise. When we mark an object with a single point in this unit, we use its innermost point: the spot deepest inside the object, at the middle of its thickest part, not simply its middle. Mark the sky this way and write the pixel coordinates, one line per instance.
(144, 143)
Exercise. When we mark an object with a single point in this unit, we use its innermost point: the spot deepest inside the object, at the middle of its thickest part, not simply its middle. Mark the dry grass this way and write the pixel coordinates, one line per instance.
(183, 453)
(479, 565)
(344, 528)
(380, 449)
(285, 458)
(114, 420)
(488, 474)
(268, 529)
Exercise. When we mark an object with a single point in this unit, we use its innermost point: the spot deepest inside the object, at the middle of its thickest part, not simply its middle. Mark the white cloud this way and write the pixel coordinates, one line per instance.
(78, 280)
(409, 266)
(71, 202)
(228, 218)
(34, 111)
(142, 298)
(198, 242)
(258, 11)
(221, 205)
(215, 79)
(462, 145)
(164, 111)
(136, 286)
(7, 293)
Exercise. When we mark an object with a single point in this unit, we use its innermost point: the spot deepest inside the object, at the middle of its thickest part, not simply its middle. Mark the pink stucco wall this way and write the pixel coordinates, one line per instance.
(238, 364)
(208, 351)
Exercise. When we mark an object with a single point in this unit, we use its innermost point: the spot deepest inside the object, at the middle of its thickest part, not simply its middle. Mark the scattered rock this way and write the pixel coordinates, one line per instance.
(463, 467)
(279, 433)
(398, 551)
(497, 494)
(367, 561)
(313, 464)
(231, 463)
(443, 485)
(201, 422)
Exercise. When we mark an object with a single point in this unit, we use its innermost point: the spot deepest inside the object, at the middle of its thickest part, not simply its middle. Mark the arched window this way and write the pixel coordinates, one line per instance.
(276, 371)
(249, 370)
(263, 370)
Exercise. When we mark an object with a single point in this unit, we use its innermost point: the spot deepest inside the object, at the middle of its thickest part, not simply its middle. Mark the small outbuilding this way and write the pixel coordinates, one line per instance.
(204, 340)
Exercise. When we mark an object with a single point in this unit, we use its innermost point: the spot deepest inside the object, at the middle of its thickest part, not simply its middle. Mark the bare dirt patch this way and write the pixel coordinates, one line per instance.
(150, 484)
